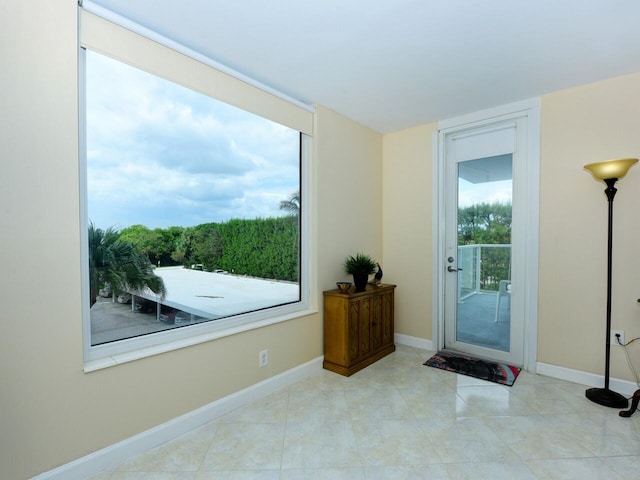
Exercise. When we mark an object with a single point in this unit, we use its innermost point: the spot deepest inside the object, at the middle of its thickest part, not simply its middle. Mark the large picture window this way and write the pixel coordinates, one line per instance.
(193, 207)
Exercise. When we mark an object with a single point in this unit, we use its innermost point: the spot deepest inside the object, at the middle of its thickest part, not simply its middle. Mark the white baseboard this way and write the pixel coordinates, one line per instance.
(416, 342)
(118, 453)
(623, 387)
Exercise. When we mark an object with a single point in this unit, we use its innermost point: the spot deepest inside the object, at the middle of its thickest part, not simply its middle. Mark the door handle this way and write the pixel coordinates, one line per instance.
(451, 269)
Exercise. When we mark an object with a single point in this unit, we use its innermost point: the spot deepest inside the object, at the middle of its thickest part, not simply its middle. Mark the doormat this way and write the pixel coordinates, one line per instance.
(474, 367)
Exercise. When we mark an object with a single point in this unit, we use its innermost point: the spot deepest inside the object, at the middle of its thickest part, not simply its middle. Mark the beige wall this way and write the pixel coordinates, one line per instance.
(51, 412)
(407, 219)
(349, 182)
(588, 124)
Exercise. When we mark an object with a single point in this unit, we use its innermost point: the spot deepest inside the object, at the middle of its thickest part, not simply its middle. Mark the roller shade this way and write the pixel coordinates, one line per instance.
(125, 45)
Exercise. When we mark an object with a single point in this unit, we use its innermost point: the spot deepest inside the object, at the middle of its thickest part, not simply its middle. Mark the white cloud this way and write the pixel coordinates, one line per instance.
(160, 154)
(489, 192)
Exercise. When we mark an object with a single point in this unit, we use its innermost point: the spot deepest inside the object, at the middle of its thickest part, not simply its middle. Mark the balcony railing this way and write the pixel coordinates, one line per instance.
(482, 267)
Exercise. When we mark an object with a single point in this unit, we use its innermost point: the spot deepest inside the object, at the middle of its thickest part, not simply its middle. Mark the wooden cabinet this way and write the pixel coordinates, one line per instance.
(358, 328)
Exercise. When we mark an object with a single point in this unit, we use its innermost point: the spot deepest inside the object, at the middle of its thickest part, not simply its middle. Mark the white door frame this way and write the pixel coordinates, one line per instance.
(530, 108)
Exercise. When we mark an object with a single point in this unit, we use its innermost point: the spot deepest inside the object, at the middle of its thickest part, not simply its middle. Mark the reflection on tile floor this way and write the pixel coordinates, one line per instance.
(398, 419)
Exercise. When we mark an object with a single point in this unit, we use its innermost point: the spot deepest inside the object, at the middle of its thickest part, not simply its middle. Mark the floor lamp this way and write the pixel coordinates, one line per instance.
(609, 172)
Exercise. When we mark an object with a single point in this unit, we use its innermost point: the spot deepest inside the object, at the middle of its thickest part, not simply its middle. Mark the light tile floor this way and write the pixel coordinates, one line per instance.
(398, 419)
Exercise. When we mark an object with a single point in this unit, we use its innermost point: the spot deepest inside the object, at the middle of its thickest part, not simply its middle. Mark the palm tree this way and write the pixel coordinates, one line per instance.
(292, 204)
(119, 265)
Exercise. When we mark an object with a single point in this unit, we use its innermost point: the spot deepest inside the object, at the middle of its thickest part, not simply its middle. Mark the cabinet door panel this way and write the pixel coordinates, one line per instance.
(354, 327)
(365, 326)
(387, 319)
(377, 322)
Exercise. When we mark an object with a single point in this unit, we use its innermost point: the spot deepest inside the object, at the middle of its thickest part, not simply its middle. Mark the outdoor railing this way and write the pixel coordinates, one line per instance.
(482, 267)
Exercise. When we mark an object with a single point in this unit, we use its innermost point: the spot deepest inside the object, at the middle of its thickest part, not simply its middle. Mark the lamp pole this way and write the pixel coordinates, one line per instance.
(609, 172)
(605, 396)
(611, 193)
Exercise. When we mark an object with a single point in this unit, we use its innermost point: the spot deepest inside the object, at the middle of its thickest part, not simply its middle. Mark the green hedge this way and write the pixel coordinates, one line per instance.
(262, 247)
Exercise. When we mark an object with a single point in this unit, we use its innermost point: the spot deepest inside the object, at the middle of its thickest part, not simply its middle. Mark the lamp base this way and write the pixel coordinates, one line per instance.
(606, 397)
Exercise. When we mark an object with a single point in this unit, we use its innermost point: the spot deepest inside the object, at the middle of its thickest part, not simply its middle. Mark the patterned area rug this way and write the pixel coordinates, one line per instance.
(474, 367)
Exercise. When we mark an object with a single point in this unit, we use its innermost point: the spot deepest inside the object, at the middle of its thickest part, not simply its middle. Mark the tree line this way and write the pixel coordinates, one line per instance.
(488, 224)
(265, 248)
(261, 247)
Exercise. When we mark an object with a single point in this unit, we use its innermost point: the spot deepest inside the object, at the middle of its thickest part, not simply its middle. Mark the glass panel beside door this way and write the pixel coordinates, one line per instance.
(484, 214)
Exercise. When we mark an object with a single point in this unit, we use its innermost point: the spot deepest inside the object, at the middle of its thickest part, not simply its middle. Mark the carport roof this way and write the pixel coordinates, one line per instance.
(215, 295)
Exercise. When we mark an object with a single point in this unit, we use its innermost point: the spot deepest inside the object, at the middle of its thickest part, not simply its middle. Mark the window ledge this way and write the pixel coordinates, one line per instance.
(125, 357)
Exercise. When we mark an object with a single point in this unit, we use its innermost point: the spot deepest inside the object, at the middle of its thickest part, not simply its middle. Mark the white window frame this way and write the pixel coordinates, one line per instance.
(126, 350)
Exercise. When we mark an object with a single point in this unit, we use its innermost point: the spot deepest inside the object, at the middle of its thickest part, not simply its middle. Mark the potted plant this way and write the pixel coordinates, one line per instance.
(360, 266)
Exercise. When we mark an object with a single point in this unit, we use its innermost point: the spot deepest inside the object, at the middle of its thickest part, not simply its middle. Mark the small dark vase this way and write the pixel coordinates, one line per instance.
(360, 281)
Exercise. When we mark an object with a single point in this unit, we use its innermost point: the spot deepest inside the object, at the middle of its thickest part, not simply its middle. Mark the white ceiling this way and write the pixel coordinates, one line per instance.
(394, 64)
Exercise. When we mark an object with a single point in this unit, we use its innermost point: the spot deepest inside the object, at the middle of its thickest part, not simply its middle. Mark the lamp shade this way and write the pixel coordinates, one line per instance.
(611, 168)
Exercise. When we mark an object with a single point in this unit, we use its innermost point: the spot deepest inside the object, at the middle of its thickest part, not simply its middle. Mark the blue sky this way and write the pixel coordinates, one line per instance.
(160, 155)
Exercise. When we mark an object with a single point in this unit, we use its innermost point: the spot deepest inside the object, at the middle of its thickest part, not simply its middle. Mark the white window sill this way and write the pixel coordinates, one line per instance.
(125, 357)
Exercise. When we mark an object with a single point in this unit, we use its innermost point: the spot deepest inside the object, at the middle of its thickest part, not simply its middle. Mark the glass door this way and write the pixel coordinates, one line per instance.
(479, 221)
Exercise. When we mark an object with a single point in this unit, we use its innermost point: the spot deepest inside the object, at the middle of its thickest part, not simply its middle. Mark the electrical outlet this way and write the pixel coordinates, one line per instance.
(263, 358)
(613, 340)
